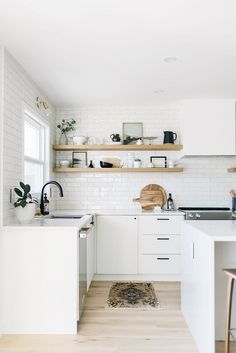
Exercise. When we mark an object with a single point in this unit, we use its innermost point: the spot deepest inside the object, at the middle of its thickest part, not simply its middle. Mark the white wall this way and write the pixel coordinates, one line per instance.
(19, 89)
(204, 182)
(1, 128)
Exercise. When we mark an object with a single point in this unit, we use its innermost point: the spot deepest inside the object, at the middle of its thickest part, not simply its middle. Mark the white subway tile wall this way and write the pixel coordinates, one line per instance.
(204, 182)
(18, 89)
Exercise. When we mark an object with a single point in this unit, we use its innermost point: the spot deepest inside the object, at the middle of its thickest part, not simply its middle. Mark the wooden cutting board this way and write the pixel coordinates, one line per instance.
(152, 195)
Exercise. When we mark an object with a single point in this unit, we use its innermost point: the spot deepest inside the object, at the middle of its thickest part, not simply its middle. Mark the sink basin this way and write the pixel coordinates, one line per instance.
(65, 216)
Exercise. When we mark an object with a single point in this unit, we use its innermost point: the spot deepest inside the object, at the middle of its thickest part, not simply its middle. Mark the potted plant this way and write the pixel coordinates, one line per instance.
(64, 127)
(25, 204)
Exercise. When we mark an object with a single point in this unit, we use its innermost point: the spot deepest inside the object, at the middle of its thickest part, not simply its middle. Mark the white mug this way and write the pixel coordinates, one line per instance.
(137, 164)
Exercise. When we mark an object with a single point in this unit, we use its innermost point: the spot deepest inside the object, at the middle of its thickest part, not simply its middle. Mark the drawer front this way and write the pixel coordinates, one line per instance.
(159, 264)
(159, 244)
(160, 224)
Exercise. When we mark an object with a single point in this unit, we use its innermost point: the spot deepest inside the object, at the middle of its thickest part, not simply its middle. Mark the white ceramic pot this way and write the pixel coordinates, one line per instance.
(80, 140)
(26, 214)
(137, 164)
(64, 163)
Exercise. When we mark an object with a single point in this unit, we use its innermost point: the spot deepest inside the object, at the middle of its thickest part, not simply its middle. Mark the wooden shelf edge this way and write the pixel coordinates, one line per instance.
(159, 147)
(118, 170)
(231, 170)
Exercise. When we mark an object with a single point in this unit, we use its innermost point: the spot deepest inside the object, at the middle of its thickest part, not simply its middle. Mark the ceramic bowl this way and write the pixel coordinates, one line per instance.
(80, 140)
(64, 163)
(106, 164)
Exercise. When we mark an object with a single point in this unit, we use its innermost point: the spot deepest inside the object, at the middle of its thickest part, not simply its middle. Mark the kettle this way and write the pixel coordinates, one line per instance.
(169, 137)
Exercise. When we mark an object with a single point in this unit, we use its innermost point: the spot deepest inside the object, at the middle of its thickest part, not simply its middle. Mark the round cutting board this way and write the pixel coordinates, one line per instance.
(152, 195)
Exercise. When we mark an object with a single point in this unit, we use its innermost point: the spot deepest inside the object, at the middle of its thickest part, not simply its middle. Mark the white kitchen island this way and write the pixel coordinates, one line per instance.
(207, 248)
(39, 271)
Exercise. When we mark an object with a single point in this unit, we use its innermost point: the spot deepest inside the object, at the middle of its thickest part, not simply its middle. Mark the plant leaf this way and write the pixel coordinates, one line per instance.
(22, 185)
(23, 203)
(18, 192)
(27, 188)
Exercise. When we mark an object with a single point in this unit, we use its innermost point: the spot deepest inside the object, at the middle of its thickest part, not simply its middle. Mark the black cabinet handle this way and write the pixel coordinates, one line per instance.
(163, 219)
(163, 238)
(163, 258)
(135, 218)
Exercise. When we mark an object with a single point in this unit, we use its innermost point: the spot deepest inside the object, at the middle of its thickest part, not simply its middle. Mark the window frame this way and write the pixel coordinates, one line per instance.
(38, 121)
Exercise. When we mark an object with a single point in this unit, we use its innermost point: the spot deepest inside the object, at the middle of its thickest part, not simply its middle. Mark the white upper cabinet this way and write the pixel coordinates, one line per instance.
(208, 127)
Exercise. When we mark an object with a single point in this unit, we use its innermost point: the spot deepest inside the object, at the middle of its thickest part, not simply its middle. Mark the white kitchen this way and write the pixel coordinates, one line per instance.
(117, 176)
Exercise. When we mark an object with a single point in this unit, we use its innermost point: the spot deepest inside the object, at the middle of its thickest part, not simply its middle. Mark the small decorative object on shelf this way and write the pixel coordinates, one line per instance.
(132, 132)
(91, 165)
(80, 140)
(115, 137)
(169, 137)
(25, 204)
(79, 159)
(158, 161)
(139, 142)
(137, 163)
(149, 139)
(65, 127)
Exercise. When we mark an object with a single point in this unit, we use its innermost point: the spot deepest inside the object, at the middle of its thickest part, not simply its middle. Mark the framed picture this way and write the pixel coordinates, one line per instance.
(132, 132)
(79, 159)
(158, 161)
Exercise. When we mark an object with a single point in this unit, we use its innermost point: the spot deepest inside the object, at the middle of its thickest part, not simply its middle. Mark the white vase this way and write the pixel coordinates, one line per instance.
(26, 214)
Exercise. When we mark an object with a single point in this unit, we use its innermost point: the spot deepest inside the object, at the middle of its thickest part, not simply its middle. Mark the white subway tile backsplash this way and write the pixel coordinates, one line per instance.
(204, 182)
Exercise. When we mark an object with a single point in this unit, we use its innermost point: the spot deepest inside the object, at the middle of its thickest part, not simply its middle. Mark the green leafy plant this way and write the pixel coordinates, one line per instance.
(66, 125)
(24, 195)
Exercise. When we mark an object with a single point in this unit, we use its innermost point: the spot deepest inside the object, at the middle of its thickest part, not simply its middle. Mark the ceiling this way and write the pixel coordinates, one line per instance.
(111, 52)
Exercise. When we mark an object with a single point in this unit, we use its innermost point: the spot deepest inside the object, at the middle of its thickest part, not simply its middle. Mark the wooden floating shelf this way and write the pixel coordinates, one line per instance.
(231, 170)
(118, 170)
(160, 147)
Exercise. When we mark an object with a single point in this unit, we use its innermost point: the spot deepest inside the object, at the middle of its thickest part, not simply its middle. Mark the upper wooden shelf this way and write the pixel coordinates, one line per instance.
(118, 170)
(160, 147)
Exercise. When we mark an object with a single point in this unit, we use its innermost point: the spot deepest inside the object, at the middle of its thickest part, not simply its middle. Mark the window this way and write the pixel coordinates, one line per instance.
(35, 152)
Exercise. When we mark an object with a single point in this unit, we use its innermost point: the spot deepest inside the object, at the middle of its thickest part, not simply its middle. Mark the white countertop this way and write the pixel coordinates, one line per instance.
(122, 212)
(45, 222)
(216, 230)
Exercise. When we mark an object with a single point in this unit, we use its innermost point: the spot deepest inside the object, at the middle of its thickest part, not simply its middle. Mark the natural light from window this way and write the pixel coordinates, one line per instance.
(35, 152)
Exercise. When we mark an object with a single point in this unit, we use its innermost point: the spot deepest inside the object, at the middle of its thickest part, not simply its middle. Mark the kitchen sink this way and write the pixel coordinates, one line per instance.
(65, 216)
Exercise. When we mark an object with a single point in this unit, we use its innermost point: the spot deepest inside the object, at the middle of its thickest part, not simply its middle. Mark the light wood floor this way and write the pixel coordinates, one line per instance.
(110, 331)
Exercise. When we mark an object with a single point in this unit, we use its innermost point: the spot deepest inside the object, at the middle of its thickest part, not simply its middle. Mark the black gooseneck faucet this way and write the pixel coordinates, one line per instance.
(42, 193)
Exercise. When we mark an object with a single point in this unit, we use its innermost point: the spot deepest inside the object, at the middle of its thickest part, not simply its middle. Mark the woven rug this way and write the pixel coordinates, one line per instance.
(130, 295)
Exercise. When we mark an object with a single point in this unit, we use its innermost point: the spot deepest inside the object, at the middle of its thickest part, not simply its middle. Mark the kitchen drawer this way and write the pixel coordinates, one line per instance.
(159, 244)
(159, 264)
(160, 224)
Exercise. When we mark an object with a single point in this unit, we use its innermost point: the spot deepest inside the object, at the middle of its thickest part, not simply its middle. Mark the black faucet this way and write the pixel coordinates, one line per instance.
(42, 192)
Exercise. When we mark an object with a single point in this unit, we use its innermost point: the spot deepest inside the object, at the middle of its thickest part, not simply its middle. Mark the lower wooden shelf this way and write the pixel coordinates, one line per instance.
(118, 170)
(232, 170)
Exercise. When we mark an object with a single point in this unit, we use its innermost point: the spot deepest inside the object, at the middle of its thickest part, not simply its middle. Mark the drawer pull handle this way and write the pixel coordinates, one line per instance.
(163, 238)
(163, 219)
(163, 258)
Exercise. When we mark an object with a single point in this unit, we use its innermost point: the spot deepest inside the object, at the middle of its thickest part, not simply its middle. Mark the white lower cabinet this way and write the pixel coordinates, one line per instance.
(117, 245)
(159, 264)
(159, 245)
(138, 245)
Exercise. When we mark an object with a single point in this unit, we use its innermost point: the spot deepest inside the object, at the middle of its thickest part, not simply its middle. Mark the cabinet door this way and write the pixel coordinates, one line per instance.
(208, 127)
(117, 245)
